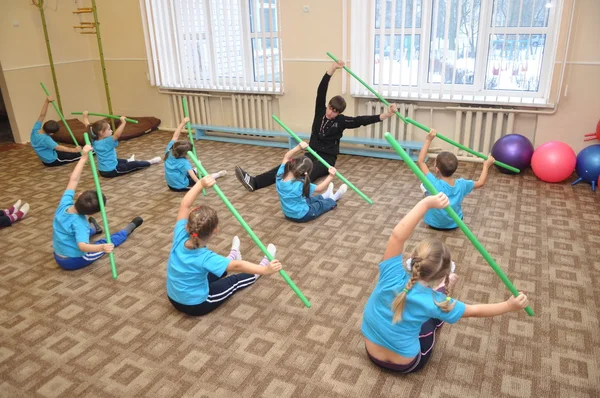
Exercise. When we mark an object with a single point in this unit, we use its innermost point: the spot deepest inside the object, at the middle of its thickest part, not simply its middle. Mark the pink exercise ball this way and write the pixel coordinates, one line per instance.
(553, 162)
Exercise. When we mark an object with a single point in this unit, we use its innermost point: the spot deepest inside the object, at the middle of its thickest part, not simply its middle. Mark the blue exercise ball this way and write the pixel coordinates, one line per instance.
(515, 150)
(588, 165)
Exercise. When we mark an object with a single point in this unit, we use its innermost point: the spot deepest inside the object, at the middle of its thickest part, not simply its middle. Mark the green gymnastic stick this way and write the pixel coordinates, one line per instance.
(186, 113)
(243, 223)
(422, 127)
(108, 116)
(431, 189)
(320, 159)
(60, 114)
(101, 202)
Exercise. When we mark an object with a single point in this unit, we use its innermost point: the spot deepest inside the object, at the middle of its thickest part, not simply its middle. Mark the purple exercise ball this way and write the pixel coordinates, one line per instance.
(515, 150)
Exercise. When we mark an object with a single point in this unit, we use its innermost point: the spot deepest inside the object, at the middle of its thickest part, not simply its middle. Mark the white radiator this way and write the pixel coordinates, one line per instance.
(400, 131)
(198, 107)
(479, 130)
(252, 111)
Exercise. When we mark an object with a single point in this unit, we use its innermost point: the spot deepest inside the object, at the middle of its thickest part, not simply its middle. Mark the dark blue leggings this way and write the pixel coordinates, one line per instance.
(74, 263)
(317, 205)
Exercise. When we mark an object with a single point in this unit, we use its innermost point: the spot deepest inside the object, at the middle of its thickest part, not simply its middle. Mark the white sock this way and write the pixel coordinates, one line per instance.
(340, 192)
(155, 160)
(329, 192)
(131, 158)
(221, 173)
(265, 261)
(235, 253)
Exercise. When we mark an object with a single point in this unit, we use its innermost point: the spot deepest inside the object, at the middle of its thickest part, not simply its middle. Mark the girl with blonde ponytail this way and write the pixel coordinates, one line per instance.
(300, 200)
(409, 304)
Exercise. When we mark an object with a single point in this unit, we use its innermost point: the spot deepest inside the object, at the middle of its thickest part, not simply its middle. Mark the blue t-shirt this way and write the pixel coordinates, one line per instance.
(402, 337)
(438, 218)
(176, 170)
(187, 271)
(69, 229)
(293, 203)
(106, 153)
(43, 144)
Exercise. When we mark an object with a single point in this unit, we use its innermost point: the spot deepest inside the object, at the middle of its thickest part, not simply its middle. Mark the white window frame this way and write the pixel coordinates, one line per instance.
(166, 24)
(363, 63)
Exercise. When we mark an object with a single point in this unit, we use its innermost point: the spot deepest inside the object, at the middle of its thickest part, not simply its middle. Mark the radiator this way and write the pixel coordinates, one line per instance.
(479, 130)
(252, 111)
(198, 107)
(400, 131)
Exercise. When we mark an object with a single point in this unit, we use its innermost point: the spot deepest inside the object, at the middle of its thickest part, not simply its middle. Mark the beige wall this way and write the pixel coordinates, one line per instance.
(306, 38)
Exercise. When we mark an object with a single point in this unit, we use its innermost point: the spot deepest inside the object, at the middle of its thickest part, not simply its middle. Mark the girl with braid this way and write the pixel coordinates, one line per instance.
(296, 193)
(197, 280)
(408, 305)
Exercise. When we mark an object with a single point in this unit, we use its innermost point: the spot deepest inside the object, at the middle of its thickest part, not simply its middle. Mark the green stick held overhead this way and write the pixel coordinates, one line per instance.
(422, 127)
(415, 169)
(320, 159)
(105, 115)
(186, 113)
(243, 223)
(111, 256)
(61, 115)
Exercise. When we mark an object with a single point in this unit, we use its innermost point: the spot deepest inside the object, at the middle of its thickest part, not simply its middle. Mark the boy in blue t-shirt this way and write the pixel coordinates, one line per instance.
(445, 166)
(50, 153)
(72, 231)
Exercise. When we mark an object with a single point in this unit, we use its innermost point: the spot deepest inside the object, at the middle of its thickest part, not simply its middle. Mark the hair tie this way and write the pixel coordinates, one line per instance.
(409, 265)
(194, 234)
(305, 173)
(291, 160)
(448, 298)
(405, 290)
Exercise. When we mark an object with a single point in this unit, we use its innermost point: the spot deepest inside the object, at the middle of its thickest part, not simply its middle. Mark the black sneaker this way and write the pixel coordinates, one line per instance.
(137, 221)
(93, 221)
(246, 179)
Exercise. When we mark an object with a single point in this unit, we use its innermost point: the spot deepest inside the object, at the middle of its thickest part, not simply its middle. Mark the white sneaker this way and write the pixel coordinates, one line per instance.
(424, 190)
(155, 160)
(16, 206)
(220, 174)
(272, 249)
(25, 209)
(340, 192)
(132, 158)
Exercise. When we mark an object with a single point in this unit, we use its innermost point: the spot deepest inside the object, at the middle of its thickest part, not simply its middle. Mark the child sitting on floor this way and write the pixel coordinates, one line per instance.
(408, 305)
(179, 174)
(296, 193)
(197, 280)
(446, 164)
(72, 231)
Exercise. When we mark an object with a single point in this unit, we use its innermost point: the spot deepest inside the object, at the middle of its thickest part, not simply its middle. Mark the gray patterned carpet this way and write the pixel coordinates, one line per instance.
(83, 334)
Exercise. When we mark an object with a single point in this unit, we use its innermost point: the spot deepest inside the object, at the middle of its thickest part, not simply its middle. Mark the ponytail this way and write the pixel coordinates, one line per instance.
(306, 187)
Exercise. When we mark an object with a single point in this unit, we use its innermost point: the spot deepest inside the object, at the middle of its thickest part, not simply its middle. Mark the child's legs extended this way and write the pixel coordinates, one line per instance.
(267, 178)
(68, 157)
(75, 263)
(317, 205)
(222, 289)
(4, 220)
(125, 167)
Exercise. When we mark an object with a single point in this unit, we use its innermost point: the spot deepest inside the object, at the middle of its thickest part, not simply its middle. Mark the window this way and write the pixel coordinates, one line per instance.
(483, 51)
(223, 45)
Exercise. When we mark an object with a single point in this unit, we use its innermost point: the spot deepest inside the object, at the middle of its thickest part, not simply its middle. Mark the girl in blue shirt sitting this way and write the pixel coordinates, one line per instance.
(405, 309)
(296, 191)
(197, 280)
(105, 143)
(179, 174)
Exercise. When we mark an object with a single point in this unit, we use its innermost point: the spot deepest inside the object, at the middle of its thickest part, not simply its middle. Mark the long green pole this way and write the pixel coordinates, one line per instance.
(323, 161)
(186, 113)
(243, 223)
(101, 52)
(111, 256)
(60, 114)
(41, 7)
(415, 169)
(128, 120)
(422, 127)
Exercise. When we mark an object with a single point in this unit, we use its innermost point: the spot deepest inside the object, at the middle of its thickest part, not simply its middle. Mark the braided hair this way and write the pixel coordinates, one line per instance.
(431, 261)
(202, 222)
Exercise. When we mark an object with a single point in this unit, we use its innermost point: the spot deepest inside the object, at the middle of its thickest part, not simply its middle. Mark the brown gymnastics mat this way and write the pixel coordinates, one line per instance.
(146, 125)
